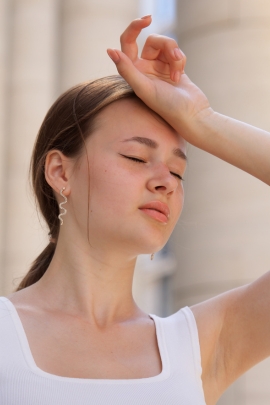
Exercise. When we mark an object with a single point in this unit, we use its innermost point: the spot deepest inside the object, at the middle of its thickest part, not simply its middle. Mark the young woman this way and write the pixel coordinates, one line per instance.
(114, 154)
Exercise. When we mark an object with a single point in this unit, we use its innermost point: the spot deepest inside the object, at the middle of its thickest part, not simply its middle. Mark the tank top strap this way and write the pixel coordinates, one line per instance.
(194, 336)
(10, 345)
(182, 342)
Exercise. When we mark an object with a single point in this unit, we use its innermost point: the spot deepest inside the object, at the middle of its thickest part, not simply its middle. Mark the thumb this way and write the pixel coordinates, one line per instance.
(137, 80)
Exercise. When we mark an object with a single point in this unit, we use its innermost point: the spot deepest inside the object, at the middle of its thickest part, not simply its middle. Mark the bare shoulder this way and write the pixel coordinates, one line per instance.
(23, 299)
(30, 307)
(234, 333)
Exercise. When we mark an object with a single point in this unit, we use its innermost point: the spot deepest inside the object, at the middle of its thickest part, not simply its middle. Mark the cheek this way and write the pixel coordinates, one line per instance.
(179, 202)
(112, 189)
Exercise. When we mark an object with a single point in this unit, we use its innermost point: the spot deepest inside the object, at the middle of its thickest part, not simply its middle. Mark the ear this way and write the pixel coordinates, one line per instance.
(57, 171)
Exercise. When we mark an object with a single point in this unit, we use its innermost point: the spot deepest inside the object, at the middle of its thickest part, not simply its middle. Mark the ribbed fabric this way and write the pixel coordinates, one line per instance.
(179, 383)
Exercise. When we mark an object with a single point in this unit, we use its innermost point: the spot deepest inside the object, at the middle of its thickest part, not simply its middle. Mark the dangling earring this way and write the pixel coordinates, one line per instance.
(152, 256)
(61, 206)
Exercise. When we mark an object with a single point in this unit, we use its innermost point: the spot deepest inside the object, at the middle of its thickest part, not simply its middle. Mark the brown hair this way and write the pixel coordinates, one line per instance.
(66, 126)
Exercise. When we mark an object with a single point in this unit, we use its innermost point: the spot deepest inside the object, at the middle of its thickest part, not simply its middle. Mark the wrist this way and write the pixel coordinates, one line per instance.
(198, 127)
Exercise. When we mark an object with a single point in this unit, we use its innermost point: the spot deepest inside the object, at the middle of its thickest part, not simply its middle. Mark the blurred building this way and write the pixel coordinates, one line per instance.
(46, 46)
(221, 239)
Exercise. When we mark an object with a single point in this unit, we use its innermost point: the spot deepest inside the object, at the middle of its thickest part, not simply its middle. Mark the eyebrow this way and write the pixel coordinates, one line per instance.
(154, 145)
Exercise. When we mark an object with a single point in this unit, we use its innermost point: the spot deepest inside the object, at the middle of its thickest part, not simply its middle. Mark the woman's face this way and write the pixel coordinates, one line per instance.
(135, 158)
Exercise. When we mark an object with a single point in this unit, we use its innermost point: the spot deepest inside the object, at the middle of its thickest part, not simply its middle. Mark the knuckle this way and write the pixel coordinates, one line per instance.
(174, 44)
(122, 37)
(121, 69)
(151, 38)
(169, 44)
(154, 36)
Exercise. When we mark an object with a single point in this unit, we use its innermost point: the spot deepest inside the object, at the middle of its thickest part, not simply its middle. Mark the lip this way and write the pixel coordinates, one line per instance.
(157, 210)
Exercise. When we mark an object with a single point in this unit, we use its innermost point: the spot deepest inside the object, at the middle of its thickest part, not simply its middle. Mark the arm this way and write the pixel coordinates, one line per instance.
(234, 333)
(240, 144)
(182, 104)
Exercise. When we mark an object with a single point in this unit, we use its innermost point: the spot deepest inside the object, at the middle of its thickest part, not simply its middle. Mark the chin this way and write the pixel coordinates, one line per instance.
(149, 246)
(146, 238)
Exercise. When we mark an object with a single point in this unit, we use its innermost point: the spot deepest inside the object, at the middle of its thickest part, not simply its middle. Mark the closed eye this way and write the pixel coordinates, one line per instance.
(177, 175)
(142, 161)
(134, 159)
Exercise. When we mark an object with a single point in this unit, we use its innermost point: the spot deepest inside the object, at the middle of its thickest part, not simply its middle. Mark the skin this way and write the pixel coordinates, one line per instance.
(118, 187)
(87, 287)
(237, 334)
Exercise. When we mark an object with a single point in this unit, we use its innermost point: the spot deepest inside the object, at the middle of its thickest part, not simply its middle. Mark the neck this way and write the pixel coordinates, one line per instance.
(89, 283)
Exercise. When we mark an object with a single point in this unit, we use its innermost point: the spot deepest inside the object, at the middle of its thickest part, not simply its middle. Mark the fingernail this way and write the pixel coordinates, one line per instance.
(146, 16)
(177, 76)
(113, 55)
(177, 53)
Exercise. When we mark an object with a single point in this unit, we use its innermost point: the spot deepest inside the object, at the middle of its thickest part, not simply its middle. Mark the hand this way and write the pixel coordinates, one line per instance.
(158, 77)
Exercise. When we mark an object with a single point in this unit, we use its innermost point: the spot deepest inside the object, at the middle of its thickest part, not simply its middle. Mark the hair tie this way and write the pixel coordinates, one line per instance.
(51, 239)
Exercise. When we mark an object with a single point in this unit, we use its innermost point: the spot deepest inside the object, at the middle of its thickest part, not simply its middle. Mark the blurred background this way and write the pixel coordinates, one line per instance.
(222, 238)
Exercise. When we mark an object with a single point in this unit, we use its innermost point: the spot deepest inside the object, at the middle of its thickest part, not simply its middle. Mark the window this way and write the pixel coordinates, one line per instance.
(163, 13)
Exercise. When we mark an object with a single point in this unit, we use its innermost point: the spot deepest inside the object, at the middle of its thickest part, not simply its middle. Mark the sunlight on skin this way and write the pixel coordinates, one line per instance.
(119, 185)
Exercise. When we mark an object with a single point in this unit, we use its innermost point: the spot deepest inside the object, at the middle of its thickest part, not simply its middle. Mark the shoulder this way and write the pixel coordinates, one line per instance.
(6, 314)
(6, 321)
(239, 328)
(4, 308)
(181, 330)
(228, 326)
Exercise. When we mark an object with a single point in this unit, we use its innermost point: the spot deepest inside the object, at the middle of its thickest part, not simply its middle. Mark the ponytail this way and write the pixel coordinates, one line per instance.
(68, 123)
(39, 267)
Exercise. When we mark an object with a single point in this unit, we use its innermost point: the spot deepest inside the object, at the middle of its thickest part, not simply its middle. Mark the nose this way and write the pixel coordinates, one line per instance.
(162, 180)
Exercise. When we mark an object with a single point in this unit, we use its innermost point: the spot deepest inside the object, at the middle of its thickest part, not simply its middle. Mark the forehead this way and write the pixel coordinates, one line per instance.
(130, 117)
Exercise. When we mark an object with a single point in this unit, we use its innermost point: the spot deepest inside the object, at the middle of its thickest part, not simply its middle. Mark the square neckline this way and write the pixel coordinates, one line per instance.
(24, 343)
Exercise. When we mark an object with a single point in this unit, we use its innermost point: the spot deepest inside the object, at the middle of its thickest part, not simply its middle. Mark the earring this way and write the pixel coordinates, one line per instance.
(61, 206)
(152, 256)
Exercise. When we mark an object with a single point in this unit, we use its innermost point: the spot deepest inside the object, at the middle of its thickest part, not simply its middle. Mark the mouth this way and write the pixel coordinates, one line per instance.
(157, 210)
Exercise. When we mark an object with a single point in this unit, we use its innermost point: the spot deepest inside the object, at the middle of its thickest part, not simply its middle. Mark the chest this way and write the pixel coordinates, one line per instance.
(76, 349)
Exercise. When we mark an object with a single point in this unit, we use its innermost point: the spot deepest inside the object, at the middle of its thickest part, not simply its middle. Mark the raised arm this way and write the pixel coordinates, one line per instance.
(236, 142)
(158, 78)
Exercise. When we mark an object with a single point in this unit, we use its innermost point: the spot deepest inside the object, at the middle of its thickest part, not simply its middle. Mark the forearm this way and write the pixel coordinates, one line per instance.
(185, 107)
(237, 143)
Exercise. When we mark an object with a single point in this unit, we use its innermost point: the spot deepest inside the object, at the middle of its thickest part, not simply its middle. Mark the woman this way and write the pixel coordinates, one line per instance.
(72, 333)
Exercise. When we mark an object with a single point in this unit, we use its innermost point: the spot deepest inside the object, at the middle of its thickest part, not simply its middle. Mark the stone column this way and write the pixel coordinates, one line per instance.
(4, 68)
(222, 238)
(31, 91)
(53, 44)
(148, 284)
(88, 29)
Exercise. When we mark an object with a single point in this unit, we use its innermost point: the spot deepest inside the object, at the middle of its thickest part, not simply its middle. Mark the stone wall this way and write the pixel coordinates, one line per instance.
(46, 46)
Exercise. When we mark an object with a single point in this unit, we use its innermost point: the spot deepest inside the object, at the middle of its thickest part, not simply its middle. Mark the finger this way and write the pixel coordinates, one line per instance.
(128, 38)
(137, 80)
(173, 67)
(166, 50)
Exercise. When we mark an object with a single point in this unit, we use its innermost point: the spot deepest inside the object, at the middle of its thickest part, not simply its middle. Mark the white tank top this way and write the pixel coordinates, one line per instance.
(179, 383)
